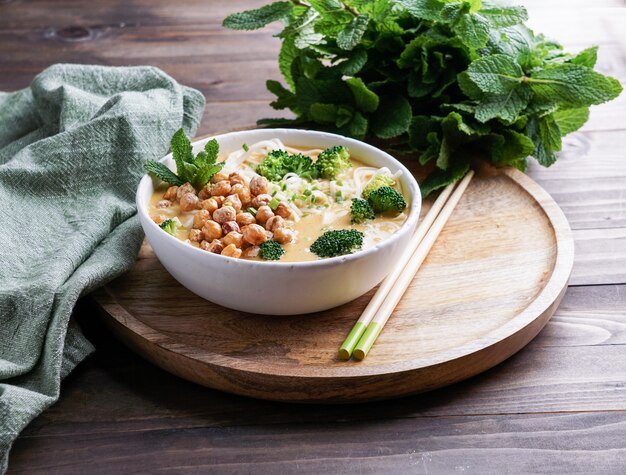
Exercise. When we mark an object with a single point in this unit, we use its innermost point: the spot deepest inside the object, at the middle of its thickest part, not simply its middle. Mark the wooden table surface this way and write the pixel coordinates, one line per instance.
(557, 406)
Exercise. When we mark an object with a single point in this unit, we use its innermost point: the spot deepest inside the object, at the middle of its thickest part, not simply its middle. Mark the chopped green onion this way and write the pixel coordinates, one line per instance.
(274, 192)
(245, 147)
(274, 204)
(252, 211)
(339, 197)
(339, 182)
(283, 186)
(307, 192)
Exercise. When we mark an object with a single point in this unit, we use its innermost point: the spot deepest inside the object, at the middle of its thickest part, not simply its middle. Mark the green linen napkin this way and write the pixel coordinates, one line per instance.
(72, 148)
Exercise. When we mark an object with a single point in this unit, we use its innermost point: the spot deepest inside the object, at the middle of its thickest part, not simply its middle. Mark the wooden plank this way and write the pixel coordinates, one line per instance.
(600, 257)
(587, 316)
(589, 179)
(563, 443)
(131, 12)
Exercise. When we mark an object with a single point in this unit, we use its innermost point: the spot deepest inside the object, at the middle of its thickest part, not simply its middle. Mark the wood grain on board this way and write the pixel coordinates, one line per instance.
(117, 411)
(480, 444)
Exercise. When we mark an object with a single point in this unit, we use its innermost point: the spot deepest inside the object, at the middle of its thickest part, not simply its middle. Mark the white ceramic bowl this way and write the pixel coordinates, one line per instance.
(276, 288)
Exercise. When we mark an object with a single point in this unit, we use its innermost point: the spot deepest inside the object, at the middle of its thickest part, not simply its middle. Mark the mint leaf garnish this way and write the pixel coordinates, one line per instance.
(502, 16)
(350, 36)
(159, 170)
(586, 57)
(498, 73)
(196, 170)
(573, 85)
(570, 120)
(392, 118)
(364, 98)
(255, 19)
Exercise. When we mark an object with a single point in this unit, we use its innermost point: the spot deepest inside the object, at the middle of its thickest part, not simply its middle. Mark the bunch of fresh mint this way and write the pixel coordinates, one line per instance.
(444, 80)
(196, 170)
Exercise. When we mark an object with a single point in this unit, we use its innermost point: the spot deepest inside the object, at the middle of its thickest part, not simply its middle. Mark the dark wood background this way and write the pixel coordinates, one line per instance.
(557, 406)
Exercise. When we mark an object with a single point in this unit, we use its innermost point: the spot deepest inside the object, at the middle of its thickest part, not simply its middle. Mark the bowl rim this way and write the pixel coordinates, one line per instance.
(412, 217)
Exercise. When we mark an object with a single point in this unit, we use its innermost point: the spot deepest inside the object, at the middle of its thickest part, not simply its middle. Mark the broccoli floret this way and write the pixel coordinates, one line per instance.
(386, 199)
(333, 161)
(279, 162)
(360, 211)
(169, 226)
(337, 242)
(271, 251)
(377, 182)
(272, 166)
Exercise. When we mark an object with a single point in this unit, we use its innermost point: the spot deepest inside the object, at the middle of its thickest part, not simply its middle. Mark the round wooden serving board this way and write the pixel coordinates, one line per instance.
(491, 282)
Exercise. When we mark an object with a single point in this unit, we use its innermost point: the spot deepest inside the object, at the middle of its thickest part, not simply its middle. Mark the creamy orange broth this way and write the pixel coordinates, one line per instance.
(308, 228)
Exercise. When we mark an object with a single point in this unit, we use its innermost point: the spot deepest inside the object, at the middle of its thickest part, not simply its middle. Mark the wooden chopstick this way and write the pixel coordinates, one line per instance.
(405, 276)
(359, 328)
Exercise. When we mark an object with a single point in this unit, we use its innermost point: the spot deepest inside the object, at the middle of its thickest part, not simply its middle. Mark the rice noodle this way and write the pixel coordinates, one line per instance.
(238, 157)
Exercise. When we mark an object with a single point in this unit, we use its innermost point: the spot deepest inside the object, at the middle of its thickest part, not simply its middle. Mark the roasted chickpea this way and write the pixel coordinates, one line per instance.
(210, 205)
(224, 214)
(235, 178)
(254, 234)
(195, 235)
(233, 237)
(164, 204)
(211, 230)
(170, 194)
(205, 193)
(274, 223)
(184, 189)
(283, 210)
(284, 235)
(219, 200)
(230, 226)
(189, 202)
(261, 200)
(263, 214)
(243, 219)
(200, 218)
(221, 188)
(234, 201)
(159, 218)
(216, 246)
(231, 251)
(252, 251)
(259, 185)
(242, 192)
(219, 176)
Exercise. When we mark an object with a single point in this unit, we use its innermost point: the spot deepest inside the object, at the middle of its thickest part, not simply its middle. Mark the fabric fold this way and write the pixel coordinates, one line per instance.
(72, 148)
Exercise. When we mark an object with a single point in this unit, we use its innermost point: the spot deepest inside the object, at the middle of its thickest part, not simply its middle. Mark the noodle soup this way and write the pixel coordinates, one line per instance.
(267, 192)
